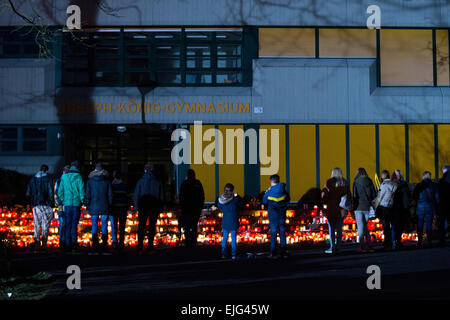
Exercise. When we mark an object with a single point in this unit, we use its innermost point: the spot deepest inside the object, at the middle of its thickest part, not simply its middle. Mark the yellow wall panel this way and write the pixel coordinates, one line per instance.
(204, 172)
(442, 58)
(332, 150)
(287, 42)
(406, 57)
(347, 43)
(265, 182)
(443, 146)
(392, 147)
(362, 149)
(231, 173)
(421, 151)
(302, 159)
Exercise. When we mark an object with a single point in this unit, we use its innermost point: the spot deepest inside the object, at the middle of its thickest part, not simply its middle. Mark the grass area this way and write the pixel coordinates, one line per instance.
(26, 288)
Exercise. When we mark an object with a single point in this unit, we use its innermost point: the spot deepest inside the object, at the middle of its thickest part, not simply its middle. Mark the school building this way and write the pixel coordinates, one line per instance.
(341, 95)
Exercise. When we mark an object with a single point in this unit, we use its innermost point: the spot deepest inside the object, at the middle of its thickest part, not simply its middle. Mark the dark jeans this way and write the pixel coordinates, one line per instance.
(62, 228)
(190, 224)
(426, 217)
(335, 232)
(277, 223)
(143, 218)
(392, 226)
(104, 221)
(443, 221)
(72, 217)
(120, 218)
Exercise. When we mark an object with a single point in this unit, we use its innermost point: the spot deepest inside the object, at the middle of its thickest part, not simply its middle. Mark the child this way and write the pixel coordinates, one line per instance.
(229, 203)
(276, 198)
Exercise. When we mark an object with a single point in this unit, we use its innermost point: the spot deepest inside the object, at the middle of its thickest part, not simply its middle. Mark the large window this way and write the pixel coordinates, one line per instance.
(406, 57)
(347, 43)
(165, 57)
(8, 139)
(442, 58)
(34, 139)
(23, 140)
(19, 43)
(287, 42)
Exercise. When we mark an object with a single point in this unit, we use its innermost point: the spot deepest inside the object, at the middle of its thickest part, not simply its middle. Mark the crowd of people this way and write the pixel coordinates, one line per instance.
(108, 200)
(391, 203)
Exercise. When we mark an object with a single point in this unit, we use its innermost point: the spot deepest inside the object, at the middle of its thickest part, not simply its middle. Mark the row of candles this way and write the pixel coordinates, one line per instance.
(302, 226)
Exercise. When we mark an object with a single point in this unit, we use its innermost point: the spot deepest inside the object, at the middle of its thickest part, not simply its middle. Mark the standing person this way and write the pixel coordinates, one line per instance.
(148, 201)
(427, 198)
(41, 192)
(335, 188)
(444, 204)
(62, 220)
(192, 200)
(71, 193)
(363, 193)
(400, 208)
(384, 203)
(120, 206)
(276, 198)
(98, 201)
(229, 203)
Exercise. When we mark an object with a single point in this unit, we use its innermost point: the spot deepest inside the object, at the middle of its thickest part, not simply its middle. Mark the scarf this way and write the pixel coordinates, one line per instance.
(225, 200)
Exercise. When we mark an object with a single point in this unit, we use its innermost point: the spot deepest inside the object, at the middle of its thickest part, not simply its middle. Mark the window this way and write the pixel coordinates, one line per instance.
(19, 43)
(169, 57)
(287, 42)
(347, 43)
(23, 139)
(34, 139)
(442, 58)
(8, 139)
(406, 57)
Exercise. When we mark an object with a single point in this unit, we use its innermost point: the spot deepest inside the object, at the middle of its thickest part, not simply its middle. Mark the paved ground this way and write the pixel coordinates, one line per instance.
(178, 273)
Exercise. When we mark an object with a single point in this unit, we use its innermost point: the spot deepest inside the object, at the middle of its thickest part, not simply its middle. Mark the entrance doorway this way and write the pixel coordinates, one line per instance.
(127, 151)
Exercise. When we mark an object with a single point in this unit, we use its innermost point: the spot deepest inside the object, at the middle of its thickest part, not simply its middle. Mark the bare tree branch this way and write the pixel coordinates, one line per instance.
(19, 14)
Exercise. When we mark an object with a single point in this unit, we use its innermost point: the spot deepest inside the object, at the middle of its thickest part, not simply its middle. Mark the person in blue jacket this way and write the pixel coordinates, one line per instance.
(98, 200)
(276, 199)
(229, 203)
(427, 197)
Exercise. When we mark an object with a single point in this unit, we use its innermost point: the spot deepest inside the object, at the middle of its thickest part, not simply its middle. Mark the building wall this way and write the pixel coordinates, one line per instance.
(329, 111)
(296, 90)
(417, 13)
(310, 152)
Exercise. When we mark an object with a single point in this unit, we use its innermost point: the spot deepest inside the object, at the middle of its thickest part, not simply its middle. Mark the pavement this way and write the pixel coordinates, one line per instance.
(200, 274)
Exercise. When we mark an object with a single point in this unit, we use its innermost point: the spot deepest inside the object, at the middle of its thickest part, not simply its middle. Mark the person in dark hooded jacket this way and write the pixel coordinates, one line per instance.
(276, 198)
(427, 197)
(229, 203)
(41, 192)
(191, 200)
(120, 205)
(334, 189)
(148, 201)
(400, 208)
(98, 201)
(363, 193)
(444, 204)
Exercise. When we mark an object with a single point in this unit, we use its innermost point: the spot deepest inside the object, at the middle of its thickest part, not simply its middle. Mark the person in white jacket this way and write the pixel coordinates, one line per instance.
(384, 203)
